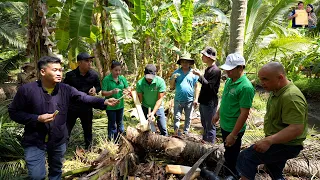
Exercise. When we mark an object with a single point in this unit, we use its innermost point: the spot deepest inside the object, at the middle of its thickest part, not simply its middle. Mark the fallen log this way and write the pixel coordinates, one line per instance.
(173, 147)
(303, 167)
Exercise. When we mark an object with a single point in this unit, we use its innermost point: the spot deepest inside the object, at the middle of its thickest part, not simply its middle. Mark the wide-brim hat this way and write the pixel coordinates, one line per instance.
(187, 57)
(210, 52)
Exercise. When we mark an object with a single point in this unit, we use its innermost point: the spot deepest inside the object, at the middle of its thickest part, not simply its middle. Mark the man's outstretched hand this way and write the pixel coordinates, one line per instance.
(111, 102)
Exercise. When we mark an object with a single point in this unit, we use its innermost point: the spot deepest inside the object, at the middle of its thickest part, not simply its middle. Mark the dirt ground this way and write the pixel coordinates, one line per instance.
(314, 113)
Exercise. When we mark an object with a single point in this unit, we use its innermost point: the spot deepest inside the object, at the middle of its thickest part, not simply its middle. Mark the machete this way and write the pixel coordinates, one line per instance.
(196, 165)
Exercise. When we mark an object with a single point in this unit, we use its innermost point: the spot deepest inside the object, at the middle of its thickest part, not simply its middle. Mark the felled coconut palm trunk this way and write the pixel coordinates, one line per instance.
(176, 148)
(303, 167)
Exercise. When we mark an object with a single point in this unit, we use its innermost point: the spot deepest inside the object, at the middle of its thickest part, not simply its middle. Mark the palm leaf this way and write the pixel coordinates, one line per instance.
(8, 32)
(140, 11)
(253, 8)
(187, 14)
(171, 25)
(80, 20)
(12, 169)
(63, 39)
(10, 64)
(63, 25)
(12, 162)
(121, 22)
(281, 5)
(11, 30)
(281, 47)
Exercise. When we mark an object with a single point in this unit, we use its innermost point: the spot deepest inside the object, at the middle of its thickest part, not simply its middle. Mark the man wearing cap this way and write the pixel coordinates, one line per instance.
(185, 83)
(151, 90)
(28, 74)
(86, 80)
(208, 97)
(234, 109)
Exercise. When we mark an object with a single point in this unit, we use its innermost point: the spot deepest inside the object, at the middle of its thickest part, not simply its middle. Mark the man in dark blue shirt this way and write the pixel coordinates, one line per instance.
(42, 107)
(86, 80)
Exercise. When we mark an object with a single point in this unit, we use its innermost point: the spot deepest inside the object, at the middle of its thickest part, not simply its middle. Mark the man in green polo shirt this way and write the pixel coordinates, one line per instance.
(236, 102)
(285, 125)
(151, 90)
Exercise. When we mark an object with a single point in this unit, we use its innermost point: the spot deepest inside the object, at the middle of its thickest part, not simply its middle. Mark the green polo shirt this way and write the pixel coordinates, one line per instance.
(285, 107)
(150, 91)
(109, 84)
(236, 95)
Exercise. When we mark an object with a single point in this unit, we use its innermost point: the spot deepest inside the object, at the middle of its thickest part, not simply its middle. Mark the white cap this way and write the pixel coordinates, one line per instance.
(233, 60)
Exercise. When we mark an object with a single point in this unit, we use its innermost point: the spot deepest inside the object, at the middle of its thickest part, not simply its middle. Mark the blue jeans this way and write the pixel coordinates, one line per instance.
(161, 120)
(209, 130)
(115, 123)
(231, 154)
(36, 162)
(274, 159)
(178, 107)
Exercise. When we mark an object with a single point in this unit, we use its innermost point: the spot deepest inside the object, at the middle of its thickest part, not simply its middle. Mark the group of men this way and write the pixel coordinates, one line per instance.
(47, 130)
(285, 124)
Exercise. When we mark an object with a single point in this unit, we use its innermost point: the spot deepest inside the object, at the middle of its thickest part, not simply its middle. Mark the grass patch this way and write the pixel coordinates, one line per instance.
(308, 86)
(260, 101)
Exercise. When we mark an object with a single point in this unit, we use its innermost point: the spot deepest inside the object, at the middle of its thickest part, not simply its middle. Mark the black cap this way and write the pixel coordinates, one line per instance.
(150, 69)
(84, 56)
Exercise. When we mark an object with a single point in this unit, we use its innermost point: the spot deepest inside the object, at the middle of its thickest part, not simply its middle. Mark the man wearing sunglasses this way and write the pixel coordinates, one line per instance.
(86, 80)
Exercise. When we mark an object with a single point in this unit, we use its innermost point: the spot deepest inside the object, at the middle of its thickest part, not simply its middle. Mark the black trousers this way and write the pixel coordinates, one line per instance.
(86, 122)
(231, 153)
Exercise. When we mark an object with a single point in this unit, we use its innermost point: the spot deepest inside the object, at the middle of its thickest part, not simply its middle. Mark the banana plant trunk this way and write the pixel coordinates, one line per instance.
(237, 25)
(37, 31)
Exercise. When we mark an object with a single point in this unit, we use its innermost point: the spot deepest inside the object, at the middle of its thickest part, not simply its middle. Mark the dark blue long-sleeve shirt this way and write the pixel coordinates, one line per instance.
(33, 100)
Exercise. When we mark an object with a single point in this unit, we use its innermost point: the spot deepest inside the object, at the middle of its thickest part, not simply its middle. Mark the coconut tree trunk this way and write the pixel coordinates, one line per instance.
(178, 149)
(237, 25)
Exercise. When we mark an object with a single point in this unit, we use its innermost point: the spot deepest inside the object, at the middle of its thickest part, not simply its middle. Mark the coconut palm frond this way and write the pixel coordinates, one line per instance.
(11, 29)
(4, 118)
(10, 145)
(10, 64)
(12, 162)
(282, 4)
(252, 136)
(12, 169)
(281, 47)
(12, 34)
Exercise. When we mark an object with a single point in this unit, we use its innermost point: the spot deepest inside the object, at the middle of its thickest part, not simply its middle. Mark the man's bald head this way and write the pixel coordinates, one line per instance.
(275, 68)
(273, 76)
